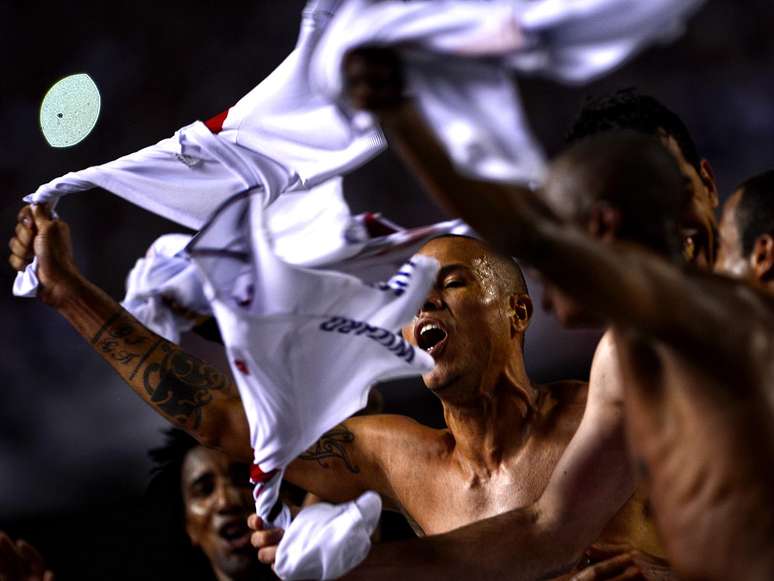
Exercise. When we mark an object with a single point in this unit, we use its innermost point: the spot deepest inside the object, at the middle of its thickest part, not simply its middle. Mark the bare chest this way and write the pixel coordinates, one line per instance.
(446, 498)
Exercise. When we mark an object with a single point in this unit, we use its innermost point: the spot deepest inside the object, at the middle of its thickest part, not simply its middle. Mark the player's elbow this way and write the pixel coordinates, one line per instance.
(226, 430)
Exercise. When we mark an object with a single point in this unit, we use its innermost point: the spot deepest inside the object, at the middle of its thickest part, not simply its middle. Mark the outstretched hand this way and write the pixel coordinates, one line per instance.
(20, 561)
(39, 235)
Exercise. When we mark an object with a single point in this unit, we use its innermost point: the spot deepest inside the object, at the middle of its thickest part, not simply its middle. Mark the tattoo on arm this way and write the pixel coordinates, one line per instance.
(181, 385)
(121, 340)
(176, 383)
(333, 444)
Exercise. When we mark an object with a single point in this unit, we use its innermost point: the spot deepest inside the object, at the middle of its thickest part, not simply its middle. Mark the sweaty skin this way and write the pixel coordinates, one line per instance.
(508, 445)
(696, 354)
(506, 438)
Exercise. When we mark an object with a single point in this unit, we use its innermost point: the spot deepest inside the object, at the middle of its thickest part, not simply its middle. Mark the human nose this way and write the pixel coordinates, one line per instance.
(433, 302)
(227, 497)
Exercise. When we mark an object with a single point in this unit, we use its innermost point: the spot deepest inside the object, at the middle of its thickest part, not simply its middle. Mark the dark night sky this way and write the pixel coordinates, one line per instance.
(71, 433)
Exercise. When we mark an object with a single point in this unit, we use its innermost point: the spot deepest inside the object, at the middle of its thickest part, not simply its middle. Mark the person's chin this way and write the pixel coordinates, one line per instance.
(240, 563)
(439, 379)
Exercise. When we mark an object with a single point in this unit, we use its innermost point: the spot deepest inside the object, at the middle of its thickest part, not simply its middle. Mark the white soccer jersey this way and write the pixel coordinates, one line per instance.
(460, 56)
(305, 346)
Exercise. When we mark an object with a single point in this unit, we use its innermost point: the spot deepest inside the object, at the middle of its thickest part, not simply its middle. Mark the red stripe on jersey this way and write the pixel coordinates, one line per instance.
(215, 124)
(376, 227)
(258, 476)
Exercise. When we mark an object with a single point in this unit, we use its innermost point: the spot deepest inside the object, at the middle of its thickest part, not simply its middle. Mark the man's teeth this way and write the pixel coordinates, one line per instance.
(428, 327)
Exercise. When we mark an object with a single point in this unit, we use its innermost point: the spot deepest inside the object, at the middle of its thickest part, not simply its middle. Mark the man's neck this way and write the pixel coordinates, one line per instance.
(492, 427)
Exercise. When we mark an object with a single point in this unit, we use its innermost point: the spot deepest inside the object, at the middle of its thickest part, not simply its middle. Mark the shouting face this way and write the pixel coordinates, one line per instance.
(218, 500)
(467, 321)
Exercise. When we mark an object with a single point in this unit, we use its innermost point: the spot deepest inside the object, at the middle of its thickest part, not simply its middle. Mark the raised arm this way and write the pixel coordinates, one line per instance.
(189, 392)
(625, 285)
(587, 488)
(184, 389)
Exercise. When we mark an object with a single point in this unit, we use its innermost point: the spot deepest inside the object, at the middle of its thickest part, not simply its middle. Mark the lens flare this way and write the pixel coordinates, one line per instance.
(70, 110)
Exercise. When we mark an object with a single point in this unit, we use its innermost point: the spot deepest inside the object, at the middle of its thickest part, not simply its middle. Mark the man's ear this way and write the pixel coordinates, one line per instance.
(521, 312)
(604, 222)
(707, 175)
(762, 259)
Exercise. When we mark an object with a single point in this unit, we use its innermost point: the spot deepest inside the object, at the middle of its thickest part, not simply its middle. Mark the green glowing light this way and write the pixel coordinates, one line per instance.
(70, 110)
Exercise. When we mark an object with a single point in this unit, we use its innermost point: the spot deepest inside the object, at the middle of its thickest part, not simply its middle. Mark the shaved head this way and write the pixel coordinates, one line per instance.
(630, 173)
(474, 318)
(505, 269)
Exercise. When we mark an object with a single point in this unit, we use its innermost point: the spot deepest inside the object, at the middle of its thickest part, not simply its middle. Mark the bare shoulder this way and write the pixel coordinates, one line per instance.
(401, 447)
(387, 431)
(568, 392)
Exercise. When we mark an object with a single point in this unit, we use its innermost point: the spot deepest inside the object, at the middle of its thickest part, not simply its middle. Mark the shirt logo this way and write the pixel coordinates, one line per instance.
(388, 339)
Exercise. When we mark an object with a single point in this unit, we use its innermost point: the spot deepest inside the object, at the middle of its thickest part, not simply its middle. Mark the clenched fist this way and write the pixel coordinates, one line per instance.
(39, 235)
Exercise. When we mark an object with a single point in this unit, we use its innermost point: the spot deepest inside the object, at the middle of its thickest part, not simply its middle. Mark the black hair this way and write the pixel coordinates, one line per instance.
(755, 212)
(631, 110)
(632, 173)
(176, 557)
(166, 472)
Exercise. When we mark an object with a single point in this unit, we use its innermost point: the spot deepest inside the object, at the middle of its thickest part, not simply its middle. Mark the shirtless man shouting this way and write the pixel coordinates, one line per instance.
(695, 351)
(505, 437)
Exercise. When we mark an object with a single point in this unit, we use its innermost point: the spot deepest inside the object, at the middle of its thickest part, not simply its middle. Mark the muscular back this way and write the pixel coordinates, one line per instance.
(708, 449)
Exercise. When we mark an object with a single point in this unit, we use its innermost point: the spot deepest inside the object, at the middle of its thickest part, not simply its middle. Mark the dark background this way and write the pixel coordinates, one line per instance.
(73, 438)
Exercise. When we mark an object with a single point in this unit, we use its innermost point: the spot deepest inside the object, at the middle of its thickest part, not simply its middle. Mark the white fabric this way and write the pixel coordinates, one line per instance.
(326, 541)
(304, 345)
(575, 41)
(314, 227)
(377, 258)
(25, 285)
(166, 273)
(459, 55)
(280, 137)
(305, 228)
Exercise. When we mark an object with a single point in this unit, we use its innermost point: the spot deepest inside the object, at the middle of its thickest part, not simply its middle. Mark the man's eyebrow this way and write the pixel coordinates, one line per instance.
(200, 478)
(450, 268)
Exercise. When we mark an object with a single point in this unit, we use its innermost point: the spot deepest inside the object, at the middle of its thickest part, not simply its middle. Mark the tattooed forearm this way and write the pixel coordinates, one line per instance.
(172, 381)
(123, 340)
(185, 390)
(333, 444)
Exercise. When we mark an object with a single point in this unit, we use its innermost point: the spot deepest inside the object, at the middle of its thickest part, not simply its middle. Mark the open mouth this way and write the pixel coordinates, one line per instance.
(430, 336)
(235, 533)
